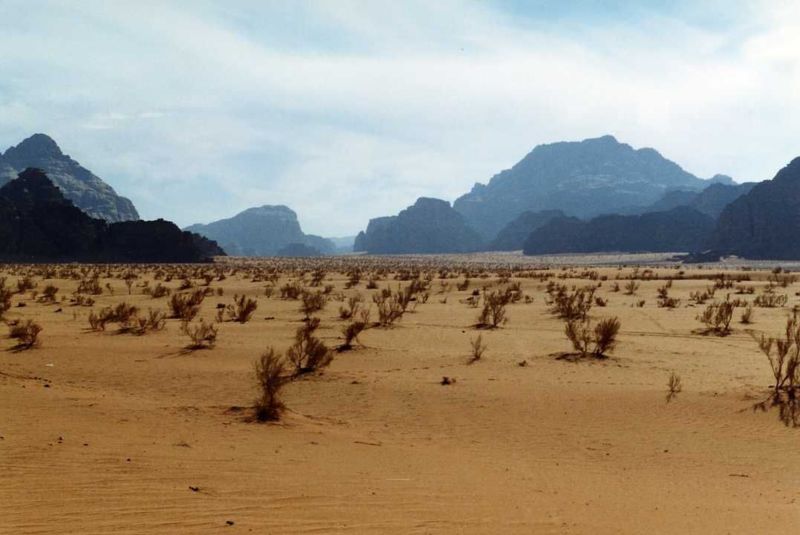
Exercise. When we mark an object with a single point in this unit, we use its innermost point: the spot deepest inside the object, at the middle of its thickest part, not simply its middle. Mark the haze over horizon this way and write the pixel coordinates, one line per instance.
(346, 111)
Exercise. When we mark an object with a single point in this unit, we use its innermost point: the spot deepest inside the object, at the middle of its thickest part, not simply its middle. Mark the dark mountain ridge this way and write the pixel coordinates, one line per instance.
(87, 191)
(38, 224)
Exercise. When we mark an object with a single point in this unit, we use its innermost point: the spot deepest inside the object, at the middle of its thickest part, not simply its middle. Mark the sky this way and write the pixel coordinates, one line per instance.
(346, 110)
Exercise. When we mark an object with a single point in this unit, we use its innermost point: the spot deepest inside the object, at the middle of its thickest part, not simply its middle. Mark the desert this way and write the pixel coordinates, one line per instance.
(117, 431)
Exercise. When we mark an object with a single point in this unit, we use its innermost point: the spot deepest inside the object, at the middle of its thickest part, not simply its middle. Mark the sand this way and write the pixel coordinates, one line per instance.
(103, 432)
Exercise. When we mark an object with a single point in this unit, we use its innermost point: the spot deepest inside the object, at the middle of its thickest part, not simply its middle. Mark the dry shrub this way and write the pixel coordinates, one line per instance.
(785, 359)
(664, 300)
(203, 335)
(270, 373)
(312, 302)
(478, 349)
(89, 286)
(353, 304)
(390, 306)
(674, 386)
(25, 283)
(717, 318)
(185, 306)
(631, 287)
(49, 294)
(242, 309)
(597, 341)
(154, 321)
(308, 353)
(747, 315)
(570, 305)
(5, 297)
(291, 290)
(770, 300)
(493, 313)
(27, 332)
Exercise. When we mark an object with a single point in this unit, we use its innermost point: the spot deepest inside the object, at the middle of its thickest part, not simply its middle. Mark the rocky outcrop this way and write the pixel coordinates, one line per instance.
(765, 223)
(39, 224)
(584, 179)
(260, 231)
(681, 229)
(512, 237)
(428, 226)
(86, 191)
(711, 201)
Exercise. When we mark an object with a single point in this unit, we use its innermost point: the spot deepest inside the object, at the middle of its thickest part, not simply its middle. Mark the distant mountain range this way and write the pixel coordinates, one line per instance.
(87, 191)
(584, 179)
(428, 226)
(263, 231)
(38, 223)
(680, 229)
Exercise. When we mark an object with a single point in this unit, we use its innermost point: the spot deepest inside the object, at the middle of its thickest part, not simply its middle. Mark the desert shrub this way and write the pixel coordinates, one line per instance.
(185, 306)
(308, 353)
(631, 287)
(202, 335)
(784, 361)
(27, 332)
(158, 291)
(597, 340)
(25, 283)
(747, 315)
(312, 302)
(353, 278)
(5, 297)
(478, 349)
(291, 290)
(269, 291)
(353, 329)
(154, 321)
(317, 277)
(664, 300)
(270, 375)
(49, 294)
(571, 305)
(242, 309)
(717, 318)
(493, 313)
(770, 300)
(353, 304)
(674, 386)
(390, 306)
(463, 286)
(89, 286)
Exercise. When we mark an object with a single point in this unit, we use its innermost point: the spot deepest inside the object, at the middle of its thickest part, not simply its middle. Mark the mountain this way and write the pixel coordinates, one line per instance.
(428, 226)
(87, 191)
(764, 223)
(261, 231)
(584, 179)
(512, 236)
(38, 223)
(711, 201)
(681, 229)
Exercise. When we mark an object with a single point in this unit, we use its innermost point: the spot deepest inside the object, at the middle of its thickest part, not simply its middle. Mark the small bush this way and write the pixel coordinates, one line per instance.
(308, 353)
(270, 376)
(353, 329)
(312, 302)
(27, 333)
(478, 349)
(203, 335)
(49, 294)
(674, 386)
(242, 309)
(185, 306)
(597, 341)
(747, 315)
(493, 313)
(717, 318)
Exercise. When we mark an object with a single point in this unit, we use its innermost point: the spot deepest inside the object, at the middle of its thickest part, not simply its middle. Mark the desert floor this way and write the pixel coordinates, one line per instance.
(107, 432)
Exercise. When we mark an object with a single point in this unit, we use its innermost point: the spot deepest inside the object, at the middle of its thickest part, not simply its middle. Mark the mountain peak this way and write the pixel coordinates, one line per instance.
(35, 146)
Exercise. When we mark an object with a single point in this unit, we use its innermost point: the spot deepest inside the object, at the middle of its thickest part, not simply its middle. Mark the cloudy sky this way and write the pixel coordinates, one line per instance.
(346, 110)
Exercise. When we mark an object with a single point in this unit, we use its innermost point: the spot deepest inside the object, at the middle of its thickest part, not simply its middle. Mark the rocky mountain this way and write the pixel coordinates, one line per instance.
(87, 191)
(764, 223)
(428, 226)
(512, 237)
(711, 201)
(584, 179)
(38, 223)
(681, 229)
(261, 231)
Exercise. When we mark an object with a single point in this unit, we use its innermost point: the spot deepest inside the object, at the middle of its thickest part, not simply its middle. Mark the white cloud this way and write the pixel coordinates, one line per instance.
(349, 110)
